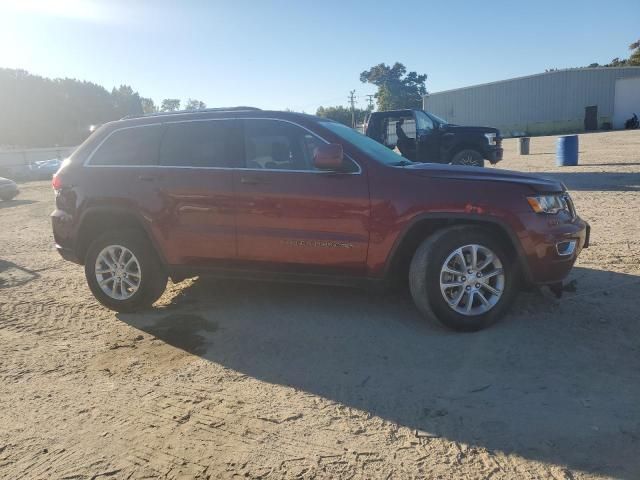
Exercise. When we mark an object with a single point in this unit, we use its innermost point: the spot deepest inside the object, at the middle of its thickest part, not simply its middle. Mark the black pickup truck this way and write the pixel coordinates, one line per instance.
(423, 137)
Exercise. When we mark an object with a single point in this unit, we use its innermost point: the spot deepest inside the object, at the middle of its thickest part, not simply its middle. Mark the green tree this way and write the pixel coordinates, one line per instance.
(126, 101)
(148, 105)
(193, 104)
(341, 114)
(632, 61)
(44, 112)
(396, 88)
(634, 58)
(170, 105)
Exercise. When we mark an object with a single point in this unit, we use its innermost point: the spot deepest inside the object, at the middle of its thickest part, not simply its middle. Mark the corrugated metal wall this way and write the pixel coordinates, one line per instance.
(552, 102)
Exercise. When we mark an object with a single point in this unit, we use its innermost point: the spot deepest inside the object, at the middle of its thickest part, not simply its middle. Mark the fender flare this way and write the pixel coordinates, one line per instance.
(122, 211)
(461, 217)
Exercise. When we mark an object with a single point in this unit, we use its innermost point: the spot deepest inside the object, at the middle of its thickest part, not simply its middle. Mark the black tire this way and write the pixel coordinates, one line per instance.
(468, 157)
(425, 271)
(153, 279)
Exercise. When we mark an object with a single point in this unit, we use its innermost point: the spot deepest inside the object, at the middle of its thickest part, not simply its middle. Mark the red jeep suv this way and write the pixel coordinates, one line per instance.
(247, 193)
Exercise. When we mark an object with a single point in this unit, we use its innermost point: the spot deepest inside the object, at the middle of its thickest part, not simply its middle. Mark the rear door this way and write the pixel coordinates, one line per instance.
(196, 183)
(289, 213)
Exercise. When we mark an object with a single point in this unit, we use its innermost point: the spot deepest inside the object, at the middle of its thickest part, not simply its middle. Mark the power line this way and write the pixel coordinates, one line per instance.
(370, 100)
(352, 100)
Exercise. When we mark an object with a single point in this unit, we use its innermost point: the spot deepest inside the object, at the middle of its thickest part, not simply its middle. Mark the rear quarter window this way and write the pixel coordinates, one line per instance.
(132, 146)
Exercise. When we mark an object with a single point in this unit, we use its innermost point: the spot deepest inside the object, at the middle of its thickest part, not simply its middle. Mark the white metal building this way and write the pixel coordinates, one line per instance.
(562, 101)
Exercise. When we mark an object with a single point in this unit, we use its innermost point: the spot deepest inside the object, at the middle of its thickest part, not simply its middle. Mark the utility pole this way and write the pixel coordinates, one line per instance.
(370, 100)
(352, 100)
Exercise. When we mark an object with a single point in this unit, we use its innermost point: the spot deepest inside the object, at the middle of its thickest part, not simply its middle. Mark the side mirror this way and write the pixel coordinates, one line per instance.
(329, 157)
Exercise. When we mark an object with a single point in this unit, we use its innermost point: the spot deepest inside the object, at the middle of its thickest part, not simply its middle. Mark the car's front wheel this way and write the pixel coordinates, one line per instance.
(123, 271)
(462, 276)
(471, 158)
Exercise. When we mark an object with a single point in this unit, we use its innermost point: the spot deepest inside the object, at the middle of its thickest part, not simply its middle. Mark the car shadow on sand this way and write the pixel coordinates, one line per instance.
(14, 203)
(12, 275)
(556, 381)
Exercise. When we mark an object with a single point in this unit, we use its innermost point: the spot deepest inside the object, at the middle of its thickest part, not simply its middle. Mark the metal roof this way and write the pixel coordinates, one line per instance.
(553, 72)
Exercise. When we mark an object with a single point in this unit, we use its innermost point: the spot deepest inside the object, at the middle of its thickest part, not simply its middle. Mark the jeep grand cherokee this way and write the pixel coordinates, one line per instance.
(286, 196)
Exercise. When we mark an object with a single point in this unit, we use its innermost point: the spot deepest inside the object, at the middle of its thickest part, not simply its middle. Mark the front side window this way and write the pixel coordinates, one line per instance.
(134, 146)
(275, 145)
(424, 124)
(196, 144)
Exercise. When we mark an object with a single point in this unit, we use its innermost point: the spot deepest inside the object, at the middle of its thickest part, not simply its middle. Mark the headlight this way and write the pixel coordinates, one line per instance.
(548, 203)
(491, 138)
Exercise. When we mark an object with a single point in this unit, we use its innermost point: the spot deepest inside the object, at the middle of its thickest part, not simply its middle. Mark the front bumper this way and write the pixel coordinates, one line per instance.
(494, 155)
(548, 255)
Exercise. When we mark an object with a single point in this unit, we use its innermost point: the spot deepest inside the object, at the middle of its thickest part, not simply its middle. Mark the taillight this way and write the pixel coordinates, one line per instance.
(56, 182)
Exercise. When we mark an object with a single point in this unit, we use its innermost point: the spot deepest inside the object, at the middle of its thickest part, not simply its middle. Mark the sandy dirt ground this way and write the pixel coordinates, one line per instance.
(229, 379)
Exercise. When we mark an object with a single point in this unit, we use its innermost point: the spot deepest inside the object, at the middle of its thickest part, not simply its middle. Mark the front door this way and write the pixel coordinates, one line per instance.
(289, 213)
(428, 139)
(196, 182)
(591, 118)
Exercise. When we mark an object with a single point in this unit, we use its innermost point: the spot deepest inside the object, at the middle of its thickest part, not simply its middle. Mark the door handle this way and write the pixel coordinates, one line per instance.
(146, 178)
(251, 181)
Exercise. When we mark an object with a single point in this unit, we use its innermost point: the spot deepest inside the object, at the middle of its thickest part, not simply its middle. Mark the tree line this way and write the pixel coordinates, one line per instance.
(43, 112)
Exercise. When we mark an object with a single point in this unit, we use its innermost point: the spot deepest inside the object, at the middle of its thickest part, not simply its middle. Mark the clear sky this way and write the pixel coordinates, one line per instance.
(301, 54)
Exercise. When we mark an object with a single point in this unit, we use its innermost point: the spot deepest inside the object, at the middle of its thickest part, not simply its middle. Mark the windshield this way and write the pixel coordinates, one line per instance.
(369, 146)
(437, 119)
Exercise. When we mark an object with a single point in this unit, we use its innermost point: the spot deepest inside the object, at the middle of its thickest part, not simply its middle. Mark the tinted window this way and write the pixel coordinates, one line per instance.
(271, 144)
(130, 146)
(424, 122)
(196, 144)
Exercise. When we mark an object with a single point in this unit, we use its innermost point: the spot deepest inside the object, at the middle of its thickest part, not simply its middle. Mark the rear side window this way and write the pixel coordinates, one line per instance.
(134, 146)
(197, 144)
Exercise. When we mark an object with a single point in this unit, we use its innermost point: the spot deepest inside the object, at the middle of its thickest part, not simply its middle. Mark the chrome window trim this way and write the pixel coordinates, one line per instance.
(160, 124)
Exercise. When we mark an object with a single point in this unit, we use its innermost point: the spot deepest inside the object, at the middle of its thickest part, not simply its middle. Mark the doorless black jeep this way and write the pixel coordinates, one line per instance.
(423, 137)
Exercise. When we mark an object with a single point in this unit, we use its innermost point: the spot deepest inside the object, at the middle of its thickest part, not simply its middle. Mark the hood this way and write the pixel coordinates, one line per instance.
(476, 174)
(451, 128)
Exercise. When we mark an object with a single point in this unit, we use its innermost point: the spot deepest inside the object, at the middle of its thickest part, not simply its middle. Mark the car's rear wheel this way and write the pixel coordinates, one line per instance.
(471, 158)
(463, 277)
(123, 271)
(8, 196)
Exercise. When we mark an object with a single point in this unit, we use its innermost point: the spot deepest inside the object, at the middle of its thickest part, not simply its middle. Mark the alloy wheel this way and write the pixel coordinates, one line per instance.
(118, 272)
(472, 280)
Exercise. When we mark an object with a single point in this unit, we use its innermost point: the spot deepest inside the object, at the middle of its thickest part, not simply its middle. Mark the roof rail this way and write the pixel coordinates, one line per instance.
(201, 110)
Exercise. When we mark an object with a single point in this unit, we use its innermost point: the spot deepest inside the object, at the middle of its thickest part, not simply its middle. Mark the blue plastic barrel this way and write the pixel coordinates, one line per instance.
(567, 151)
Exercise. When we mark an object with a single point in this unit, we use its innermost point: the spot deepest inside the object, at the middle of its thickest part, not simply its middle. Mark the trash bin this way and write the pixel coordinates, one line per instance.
(524, 145)
(567, 151)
